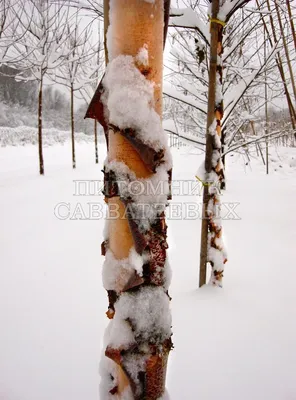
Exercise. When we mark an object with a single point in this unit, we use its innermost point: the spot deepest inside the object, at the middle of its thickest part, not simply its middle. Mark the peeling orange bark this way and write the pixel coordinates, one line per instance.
(133, 25)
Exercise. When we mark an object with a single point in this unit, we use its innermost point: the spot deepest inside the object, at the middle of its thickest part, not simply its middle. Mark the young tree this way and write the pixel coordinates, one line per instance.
(135, 271)
(212, 248)
(40, 48)
(238, 100)
(78, 71)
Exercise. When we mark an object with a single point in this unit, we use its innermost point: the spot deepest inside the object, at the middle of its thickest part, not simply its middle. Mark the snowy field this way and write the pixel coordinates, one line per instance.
(235, 343)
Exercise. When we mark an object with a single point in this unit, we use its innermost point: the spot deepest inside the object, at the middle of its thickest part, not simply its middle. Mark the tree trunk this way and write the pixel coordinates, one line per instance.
(279, 65)
(266, 107)
(212, 248)
(291, 22)
(40, 146)
(135, 272)
(286, 49)
(72, 127)
(96, 140)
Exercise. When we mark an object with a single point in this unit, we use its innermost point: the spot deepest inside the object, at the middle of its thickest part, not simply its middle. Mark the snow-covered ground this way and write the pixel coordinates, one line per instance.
(235, 343)
(24, 135)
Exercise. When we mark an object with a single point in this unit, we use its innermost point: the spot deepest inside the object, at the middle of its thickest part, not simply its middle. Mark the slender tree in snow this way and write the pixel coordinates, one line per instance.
(210, 94)
(136, 270)
(212, 249)
(40, 48)
(79, 70)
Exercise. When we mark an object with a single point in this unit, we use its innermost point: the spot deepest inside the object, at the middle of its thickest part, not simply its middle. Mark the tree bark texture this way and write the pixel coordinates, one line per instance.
(135, 369)
(212, 249)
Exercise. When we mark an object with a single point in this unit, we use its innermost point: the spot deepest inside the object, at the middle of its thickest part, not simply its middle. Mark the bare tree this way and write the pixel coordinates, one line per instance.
(42, 31)
(79, 70)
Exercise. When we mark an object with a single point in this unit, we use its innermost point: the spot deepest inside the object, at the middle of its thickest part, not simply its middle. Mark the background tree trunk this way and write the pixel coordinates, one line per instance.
(279, 64)
(40, 146)
(211, 230)
(286, 49)
(291, 22)
(266, 106)
(72, 126)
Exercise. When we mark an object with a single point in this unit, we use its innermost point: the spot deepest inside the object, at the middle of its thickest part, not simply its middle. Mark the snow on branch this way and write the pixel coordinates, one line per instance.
(257, 139)
(244, 85)
(229, 8)
(88, 5)
(188, 18)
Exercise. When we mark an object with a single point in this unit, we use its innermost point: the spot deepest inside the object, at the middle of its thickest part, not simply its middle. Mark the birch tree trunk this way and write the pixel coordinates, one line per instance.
(212, 249)
(136, 270)
(40, 146)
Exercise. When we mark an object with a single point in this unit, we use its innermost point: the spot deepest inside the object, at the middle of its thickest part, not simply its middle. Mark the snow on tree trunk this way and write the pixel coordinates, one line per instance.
(212, 247)
(136, 273)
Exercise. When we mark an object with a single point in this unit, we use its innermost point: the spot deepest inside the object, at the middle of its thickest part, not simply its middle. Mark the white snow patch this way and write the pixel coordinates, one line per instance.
(219, 94)
(116, 272)
(130, 102)
(148, 309)
(212, 127)
(120, 333)
(143, 56)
